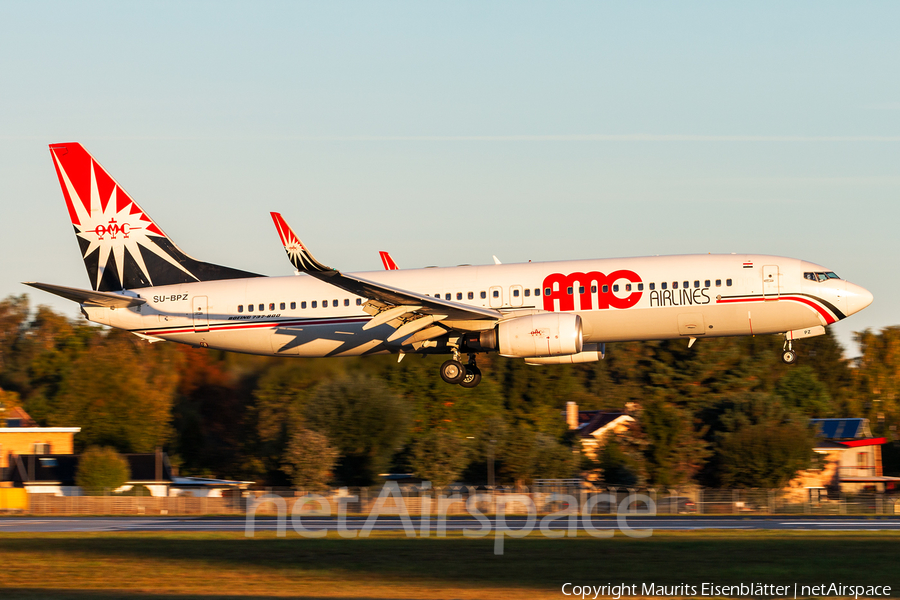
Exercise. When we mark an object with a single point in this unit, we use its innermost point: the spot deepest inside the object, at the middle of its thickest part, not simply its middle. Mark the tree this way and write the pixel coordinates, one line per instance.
(439, 456)
(364, 420)
(764, 455)
(309, 459)
(800, 389)
(101, 469)
(619, 468)
(120, 393)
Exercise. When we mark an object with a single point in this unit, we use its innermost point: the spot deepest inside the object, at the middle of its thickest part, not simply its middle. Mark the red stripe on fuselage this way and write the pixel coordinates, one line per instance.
(829, 318)
(262, 325)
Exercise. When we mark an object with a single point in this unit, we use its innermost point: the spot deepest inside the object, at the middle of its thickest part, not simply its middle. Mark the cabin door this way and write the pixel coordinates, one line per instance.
(200, 314)
(771, 282)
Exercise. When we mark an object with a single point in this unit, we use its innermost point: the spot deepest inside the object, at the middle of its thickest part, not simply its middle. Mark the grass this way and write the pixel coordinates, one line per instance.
(226, 565)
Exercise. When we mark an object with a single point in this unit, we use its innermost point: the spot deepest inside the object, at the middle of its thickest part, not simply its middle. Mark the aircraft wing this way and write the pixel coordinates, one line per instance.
(387, 301)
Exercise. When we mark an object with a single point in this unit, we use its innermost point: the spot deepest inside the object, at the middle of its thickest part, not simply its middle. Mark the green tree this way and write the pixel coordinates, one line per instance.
(439, 456)
(801, 390)
(101, 469)
(309, 459)
(617, 465)
(764, 455)
(364, 420)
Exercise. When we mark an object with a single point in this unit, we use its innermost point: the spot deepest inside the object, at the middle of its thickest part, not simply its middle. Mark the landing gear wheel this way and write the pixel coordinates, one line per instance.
(472, 378)
(789, 357)
(453, 372)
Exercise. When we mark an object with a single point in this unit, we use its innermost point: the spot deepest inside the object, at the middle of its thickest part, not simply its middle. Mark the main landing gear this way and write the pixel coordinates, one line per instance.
(454, 372)
(788, 356)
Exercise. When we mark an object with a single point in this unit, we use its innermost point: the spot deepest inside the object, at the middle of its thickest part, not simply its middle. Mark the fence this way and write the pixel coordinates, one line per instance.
(453, 501)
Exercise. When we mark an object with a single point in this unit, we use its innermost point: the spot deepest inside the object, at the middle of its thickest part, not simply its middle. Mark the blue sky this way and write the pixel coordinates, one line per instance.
(448, 132)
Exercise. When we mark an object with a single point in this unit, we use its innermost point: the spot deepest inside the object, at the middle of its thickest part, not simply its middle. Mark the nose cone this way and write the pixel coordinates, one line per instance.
(857, 298)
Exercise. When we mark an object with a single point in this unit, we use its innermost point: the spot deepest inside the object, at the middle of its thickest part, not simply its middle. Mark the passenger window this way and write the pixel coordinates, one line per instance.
(459, 295)
(495, 293)
(581, 290)
(314, 304)
(262, 307)
(728, 282)
(616, 288)
(282, 305)
(687, 284)
(516, 293)
(484, 294)
(605, 289)
(471, 295)
(527, 292)
(537, 291)
(662, 286)
(271, 306)
(706, 283)
(568, 291)
(359, 301)
(249, 308)
(547, 292)
(593, 289)
(652, 286)
(240, 308)
(346, 301)
(293, 306)
(718, 283)
(696, 283)
(334, 302)
(674, 285)
(446, 296)
(303, 304)
(627, 287)
(640, 287)
(324, 303)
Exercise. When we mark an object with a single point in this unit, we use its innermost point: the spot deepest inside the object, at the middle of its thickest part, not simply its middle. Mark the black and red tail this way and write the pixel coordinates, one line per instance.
(121, 246)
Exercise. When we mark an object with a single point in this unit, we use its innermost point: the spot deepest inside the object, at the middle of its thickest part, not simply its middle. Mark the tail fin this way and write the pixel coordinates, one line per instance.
(121, 246)
(387, 261)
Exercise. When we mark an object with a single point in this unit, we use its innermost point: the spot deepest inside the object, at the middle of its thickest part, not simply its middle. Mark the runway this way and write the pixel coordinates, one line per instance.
(430, 526)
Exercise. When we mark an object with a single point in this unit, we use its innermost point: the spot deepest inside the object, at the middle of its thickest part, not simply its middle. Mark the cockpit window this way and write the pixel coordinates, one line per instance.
(819, 276)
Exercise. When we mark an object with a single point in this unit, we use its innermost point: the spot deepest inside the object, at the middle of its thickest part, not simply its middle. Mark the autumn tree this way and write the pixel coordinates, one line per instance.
(120, 393)
(309, 460)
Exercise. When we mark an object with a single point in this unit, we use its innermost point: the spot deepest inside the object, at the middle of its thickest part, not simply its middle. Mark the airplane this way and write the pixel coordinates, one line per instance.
(561, 312)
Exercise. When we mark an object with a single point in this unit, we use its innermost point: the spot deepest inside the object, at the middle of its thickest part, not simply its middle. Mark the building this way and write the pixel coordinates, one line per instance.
(20, 435)
(593, 426)
(850, 461)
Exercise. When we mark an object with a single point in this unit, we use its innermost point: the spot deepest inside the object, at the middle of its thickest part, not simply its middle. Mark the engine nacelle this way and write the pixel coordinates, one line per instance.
(543, 334)
(590, 353)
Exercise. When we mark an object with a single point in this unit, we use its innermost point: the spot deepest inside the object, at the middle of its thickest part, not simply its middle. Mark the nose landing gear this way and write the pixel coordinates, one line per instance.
(788, 356)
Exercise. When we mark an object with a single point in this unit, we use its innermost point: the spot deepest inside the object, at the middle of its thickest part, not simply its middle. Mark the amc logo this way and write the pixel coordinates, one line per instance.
(112, 229)
(589, 286)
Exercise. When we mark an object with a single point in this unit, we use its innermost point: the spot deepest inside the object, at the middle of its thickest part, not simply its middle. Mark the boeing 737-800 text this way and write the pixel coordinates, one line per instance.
(545, 313)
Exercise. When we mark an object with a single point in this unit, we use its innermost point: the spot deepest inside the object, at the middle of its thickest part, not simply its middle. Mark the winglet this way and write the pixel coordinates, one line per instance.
(297, 253)
(388, 262)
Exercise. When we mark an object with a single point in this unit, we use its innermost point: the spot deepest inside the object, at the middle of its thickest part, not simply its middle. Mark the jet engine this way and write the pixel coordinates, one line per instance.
(543, 334)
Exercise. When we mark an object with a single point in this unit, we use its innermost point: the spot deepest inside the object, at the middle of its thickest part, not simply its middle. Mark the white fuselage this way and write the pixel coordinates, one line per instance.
(621, 299)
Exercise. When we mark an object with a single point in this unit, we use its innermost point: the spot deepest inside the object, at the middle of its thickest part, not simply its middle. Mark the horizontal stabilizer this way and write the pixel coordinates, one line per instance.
(89, 297)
